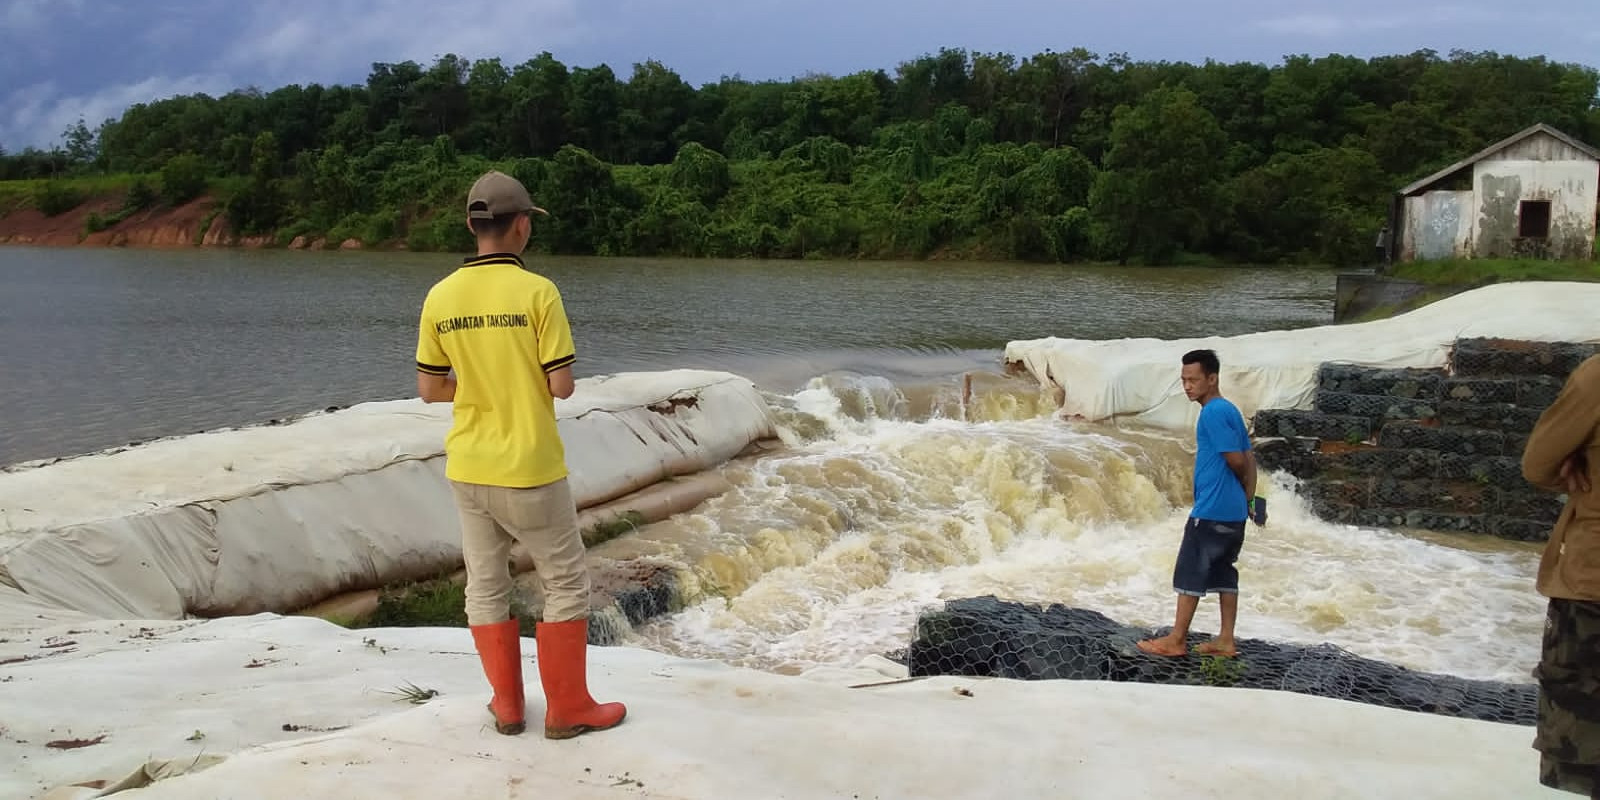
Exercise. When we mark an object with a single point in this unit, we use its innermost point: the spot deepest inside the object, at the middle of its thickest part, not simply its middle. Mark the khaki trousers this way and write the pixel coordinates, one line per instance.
(545, 521)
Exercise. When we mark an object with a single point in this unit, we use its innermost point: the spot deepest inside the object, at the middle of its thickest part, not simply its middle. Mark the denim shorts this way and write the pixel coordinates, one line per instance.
(1206, 558)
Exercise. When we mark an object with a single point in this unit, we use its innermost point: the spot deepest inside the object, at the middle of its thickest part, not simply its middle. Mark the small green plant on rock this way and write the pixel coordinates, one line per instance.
(1222, 670)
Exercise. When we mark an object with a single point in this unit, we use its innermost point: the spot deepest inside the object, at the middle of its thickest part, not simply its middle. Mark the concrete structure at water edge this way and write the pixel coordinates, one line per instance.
(1533, 195)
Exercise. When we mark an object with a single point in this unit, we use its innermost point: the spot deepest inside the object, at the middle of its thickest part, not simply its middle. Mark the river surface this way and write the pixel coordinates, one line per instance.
(892, 498)
(108, 346)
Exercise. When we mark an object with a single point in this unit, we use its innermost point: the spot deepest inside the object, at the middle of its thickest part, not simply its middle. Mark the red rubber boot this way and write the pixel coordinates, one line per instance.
(569, 710)
(500, 649)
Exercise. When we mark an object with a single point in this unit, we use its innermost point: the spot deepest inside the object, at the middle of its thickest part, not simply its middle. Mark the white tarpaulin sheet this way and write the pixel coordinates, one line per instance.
(1137, 379)
(271, 708)
(279, 517)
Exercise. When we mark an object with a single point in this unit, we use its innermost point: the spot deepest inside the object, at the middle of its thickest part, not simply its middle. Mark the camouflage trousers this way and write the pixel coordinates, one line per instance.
(1568, 733)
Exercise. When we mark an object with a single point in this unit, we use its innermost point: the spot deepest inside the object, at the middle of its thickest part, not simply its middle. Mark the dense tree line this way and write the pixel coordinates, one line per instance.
(1061, 156)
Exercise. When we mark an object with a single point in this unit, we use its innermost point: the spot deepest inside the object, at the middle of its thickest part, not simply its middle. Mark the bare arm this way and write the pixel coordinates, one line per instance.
(1244, 468)
(560, 380)
(436, 388)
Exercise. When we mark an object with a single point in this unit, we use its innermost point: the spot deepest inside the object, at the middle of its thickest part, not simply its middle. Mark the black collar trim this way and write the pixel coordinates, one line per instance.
(492, 259)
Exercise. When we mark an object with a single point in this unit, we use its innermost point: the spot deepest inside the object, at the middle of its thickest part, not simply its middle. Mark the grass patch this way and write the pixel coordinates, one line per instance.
(1444, 278)
(139, 197)
(1478, 272)
(17, 195)
(439, 603)
(601, 532)
(56, 196)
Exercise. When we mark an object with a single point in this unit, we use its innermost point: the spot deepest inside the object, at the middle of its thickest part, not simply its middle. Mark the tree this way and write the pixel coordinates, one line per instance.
(258, 207)
(1058, 85)
(439, 102)
(594, 109)
(391, 89)
(701, 173)
(80, 143)
(955, 153)
(183, 178)
(489, 128)
(1161, 177)
(582, 194)
(538, 98)
(1325, 205)
(656, 104)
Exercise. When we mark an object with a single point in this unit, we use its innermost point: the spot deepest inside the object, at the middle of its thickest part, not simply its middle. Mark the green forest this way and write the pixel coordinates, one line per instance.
(1061, 156)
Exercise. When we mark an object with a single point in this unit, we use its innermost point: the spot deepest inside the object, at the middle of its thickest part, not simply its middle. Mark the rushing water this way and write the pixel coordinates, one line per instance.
(892, 497)
(825, 555)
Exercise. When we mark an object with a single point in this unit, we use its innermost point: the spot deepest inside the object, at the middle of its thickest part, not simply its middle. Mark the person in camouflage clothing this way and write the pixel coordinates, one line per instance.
(1560, 456)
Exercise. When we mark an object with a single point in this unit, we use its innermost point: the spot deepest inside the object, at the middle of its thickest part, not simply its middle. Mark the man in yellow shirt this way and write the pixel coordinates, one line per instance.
(504, 332)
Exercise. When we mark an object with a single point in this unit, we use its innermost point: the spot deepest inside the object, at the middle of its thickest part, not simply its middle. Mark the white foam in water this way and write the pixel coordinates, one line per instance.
(828, 555)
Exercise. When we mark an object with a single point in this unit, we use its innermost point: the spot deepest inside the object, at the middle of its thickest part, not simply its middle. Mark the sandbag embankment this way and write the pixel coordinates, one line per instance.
(1137, 379)
(275, 518)
(987, 637)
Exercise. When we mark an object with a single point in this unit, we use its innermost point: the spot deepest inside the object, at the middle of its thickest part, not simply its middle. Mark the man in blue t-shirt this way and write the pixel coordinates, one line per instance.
(1224, 498)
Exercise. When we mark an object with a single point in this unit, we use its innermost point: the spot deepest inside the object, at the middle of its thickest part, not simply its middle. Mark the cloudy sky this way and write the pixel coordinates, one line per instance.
(62, 59)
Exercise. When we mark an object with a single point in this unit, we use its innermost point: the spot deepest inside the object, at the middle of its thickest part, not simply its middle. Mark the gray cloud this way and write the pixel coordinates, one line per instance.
(34, 15)
(1333, 25)
(38, 114)
(346, 36)
(1329, 26)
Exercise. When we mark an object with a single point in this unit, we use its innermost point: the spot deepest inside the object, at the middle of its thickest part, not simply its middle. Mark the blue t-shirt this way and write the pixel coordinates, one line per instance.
(1218, 495)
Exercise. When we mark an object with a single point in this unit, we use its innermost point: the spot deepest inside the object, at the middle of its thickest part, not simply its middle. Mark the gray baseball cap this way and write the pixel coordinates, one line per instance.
(497, 193)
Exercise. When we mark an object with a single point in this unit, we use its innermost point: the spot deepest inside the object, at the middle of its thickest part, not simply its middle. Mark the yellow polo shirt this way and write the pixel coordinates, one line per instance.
(501, 328)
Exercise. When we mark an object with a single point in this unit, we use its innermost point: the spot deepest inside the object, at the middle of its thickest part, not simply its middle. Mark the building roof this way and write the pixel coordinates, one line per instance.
(1587, 150)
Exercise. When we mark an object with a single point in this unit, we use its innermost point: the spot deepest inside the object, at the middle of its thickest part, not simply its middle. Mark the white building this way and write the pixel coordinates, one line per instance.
(1533, 195)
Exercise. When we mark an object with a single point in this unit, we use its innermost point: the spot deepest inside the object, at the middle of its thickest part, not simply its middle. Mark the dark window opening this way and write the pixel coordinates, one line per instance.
(1535, 220)
(1459, 182)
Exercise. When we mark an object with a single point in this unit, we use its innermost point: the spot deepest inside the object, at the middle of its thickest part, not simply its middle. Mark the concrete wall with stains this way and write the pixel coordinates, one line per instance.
(1501, 187)
(1438, 225)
